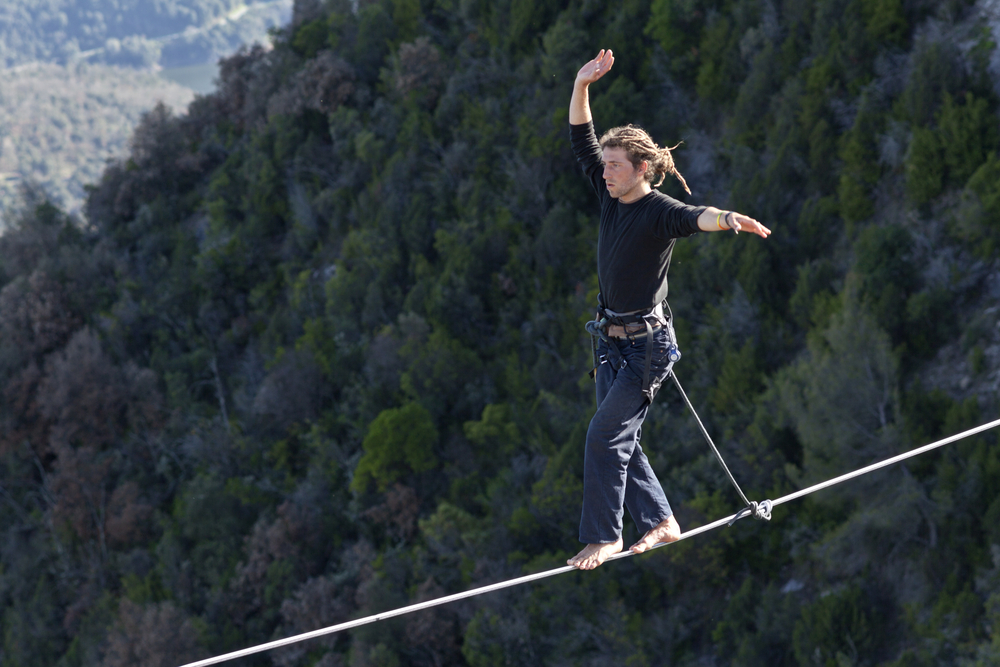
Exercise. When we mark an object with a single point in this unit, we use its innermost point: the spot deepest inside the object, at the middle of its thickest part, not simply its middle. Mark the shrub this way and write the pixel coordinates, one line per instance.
(399, 441)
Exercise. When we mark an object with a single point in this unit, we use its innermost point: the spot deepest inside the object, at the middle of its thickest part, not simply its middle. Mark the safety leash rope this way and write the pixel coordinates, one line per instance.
(761, 510)
(568, 568)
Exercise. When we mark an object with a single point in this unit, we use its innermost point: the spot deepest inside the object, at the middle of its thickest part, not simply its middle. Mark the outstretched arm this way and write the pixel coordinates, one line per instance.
(717, 220)
(579, 105)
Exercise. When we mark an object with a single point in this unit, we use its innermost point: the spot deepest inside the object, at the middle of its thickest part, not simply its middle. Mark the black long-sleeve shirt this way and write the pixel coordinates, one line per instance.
(635, 240)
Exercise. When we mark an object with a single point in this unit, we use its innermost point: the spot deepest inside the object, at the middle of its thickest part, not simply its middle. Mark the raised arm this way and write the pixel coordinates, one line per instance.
(579, 105)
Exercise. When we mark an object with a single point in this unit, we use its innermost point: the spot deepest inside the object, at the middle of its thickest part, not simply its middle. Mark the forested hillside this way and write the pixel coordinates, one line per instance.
(131, 33)
(59, 125)
(70, 68)
(319, 350)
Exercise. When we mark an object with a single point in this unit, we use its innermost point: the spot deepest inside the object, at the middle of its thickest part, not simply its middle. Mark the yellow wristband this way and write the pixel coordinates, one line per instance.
(717, 218)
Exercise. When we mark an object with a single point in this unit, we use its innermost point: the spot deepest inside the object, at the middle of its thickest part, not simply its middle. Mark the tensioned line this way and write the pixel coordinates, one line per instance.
(568, 568)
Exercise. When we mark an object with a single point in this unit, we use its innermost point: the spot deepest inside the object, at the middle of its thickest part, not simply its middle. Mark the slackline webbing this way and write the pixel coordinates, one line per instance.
(569, 568)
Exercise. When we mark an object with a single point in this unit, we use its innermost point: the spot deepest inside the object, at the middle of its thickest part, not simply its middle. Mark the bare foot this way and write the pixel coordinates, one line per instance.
(667, 530)
(595, 554)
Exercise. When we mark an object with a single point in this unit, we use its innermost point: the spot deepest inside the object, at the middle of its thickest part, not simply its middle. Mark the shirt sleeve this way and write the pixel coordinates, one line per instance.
(588, 153)
(675, 219)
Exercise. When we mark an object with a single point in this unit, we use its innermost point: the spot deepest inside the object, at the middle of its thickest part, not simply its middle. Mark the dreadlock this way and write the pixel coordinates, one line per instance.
(639, 147)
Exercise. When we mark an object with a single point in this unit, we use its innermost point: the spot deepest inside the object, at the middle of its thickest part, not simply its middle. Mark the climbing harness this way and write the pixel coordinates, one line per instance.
(570, 568)
(633, 325)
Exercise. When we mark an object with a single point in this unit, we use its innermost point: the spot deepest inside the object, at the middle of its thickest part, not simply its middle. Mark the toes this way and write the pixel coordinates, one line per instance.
(639, 546)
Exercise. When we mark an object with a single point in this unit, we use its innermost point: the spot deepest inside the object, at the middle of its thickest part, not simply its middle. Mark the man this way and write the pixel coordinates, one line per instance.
(638, 228)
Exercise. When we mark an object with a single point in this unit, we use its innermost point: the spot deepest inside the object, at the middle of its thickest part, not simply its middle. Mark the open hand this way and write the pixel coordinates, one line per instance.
(744, 223)
(596, 68)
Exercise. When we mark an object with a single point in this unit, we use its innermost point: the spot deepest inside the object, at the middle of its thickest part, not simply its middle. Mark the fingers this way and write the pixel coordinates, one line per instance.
(606, 60)
(597, 67)
(759, 229)
(603, 62)
(746, 223)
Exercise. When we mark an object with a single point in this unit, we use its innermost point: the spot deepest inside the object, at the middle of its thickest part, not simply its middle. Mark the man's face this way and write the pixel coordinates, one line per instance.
(619, 174)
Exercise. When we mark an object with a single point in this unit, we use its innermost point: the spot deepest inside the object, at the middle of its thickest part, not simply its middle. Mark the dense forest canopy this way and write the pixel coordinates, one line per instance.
(318, 350)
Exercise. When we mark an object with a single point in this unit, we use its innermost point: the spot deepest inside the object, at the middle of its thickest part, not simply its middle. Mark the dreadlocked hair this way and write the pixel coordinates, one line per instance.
(640, 147)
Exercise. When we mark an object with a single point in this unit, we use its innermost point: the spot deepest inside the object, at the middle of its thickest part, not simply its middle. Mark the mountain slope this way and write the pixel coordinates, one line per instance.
(320, 351)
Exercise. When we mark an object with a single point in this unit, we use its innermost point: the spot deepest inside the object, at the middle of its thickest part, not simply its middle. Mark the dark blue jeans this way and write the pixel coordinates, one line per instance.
(616, 472)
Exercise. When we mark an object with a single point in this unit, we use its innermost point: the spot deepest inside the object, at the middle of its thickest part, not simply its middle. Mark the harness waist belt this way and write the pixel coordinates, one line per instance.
(624, 331)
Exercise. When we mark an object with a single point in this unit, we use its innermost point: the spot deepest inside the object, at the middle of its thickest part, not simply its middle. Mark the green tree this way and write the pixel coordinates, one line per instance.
(968, 135)
(925, 166)
(936, 70)
(677, 26)
(977, 220)
(884, 266)
(885, 21)
(720, 69)
(836, 629)
(860, 171)
(400, 441)
(842, 395)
